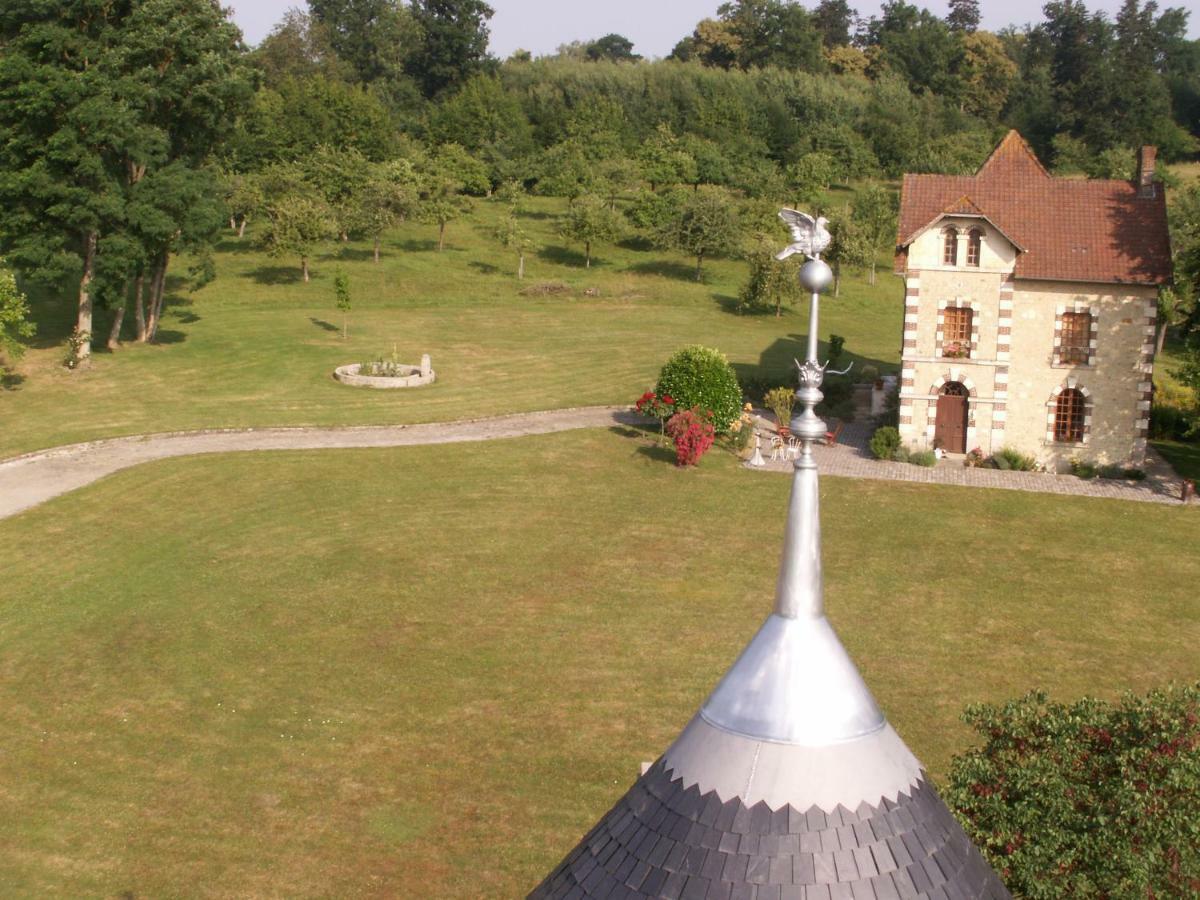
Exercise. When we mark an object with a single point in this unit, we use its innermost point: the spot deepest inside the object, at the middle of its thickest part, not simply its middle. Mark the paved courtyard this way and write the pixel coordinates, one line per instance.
(851, 458)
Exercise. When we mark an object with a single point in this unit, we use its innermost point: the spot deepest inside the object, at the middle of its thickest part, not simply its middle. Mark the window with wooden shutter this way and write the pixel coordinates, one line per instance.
(1075, 339)
(1069, 412)
(956, 332)
(974, 246)
(950, 247)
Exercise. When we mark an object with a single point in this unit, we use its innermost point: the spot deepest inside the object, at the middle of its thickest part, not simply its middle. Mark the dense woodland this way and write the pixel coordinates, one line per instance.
(132, 133)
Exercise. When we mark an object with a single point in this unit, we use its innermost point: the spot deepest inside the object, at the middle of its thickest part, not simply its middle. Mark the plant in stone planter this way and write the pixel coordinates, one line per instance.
(780, 401)
(956, 350)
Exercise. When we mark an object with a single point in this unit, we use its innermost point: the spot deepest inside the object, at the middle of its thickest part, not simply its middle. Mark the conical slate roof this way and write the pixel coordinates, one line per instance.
(789, 782)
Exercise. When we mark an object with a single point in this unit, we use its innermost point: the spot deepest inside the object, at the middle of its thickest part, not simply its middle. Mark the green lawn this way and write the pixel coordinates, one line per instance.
(426, 671)
(258, 346)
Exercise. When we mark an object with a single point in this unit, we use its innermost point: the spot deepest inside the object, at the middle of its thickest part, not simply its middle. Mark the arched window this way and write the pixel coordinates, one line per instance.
(974, 244)
(1069, 411)
(949, 247)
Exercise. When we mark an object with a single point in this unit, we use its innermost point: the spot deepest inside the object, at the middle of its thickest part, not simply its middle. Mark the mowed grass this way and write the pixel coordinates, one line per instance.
(424, 672)
(258, 346)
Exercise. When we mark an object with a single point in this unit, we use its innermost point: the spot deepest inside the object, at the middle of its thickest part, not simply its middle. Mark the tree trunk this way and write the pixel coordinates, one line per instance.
(699, 263)
(345, 326)
(521, 268)
(441, 236)
(83, 324)
(376, 248)
(1162, 338)
(345, 237)
(872, 272)
(233, 223)
(587, 254)
(304, 268)
(114, 336)
(242, 227)
(139, 308)
(157, 289)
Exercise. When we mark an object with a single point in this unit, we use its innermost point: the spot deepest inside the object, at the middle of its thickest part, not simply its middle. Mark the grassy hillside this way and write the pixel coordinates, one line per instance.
(258, 346)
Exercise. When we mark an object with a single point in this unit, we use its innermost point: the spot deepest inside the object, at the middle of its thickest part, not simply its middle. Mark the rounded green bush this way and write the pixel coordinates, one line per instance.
(885, 442)
(701, 376)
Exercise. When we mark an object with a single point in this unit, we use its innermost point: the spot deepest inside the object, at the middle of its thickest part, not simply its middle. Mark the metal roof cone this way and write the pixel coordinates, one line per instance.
(789, 782)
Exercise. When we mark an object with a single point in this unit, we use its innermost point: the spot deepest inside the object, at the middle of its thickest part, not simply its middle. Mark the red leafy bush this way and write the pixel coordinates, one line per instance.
(693, 432)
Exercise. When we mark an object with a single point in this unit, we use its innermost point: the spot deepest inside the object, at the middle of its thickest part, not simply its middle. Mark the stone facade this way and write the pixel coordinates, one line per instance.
(1015, 371)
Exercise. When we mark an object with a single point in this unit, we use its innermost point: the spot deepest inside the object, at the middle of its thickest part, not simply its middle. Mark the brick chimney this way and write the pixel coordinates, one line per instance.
(1145, 171)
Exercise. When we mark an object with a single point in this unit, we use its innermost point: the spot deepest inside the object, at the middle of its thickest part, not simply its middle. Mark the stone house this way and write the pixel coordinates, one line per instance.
(1030, 308)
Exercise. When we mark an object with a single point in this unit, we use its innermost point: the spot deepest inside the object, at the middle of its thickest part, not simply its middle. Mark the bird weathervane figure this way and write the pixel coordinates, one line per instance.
(809, 235)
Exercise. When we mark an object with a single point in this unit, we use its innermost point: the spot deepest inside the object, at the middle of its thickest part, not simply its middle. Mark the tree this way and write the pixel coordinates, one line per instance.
(705, 224)
(243, 197)
(664, 161)
(14, 316)
(441, 204)
(1087, 799)
(389, 195)
(874, 215)
(612, 47)
(510, 234)
(340, 176)
(834, 19)
(963, 16)
(849, 246)
(295, 224)
(453, 45)
(588, 220)
(986, 74)
(341, 293)
(298, 47)
(811, 175)
(373, 36)
(93, 99)
(771, 282)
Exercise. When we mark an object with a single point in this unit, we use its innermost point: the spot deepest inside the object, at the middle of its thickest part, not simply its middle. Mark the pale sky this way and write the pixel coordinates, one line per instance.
(654, 26)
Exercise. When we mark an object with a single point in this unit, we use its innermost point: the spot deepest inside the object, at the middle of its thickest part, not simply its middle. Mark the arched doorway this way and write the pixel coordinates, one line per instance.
(950, 428)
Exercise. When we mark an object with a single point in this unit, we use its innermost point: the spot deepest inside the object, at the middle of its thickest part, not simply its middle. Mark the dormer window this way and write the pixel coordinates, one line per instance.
(974, 245)
(949, 247)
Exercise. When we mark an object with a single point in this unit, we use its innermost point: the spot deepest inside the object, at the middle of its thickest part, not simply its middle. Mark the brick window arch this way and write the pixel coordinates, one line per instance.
(1069, 414)
(974, 246)
(949, 246)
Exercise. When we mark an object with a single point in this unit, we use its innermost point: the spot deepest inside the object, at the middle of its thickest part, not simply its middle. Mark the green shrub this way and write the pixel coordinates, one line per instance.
(1010, 459)
(780, 401)
(1091, 799)
(1081, 468)
(869, 374)
(885, 442)
(925, 458)
(702, 377)
(1121, 473)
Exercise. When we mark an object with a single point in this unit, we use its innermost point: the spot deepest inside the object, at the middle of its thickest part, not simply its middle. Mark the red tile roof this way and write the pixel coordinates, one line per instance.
(1066, 229)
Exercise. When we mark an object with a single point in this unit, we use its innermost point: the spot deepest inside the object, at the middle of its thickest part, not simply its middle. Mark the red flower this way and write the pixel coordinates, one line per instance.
(667, 399)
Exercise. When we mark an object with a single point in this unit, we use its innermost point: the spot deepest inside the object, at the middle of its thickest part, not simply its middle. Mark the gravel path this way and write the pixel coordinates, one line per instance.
(850, 458)
(26, 481)
(29, 480)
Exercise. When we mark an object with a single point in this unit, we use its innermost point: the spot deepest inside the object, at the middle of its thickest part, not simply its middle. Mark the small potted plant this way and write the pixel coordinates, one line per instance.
(956, 350)
(780, 401)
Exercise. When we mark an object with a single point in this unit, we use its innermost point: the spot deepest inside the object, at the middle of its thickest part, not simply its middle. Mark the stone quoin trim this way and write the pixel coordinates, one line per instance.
(1000, 407)
(957, 303)
(1060, 311)
(1004, 322)
(912, 301)
(1146, 385)
(1052, 411)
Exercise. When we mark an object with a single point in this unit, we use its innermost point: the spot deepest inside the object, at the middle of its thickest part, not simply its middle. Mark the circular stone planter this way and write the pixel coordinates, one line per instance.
(415, 376)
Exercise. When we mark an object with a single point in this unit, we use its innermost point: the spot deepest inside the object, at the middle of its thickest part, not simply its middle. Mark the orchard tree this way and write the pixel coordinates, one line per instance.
(590, 220)
(295, 224)
(874, 217)
(510, 234)
(15, 326)
(441, 203)
(664, 161)
(705, 224)
(810, 176)
(341, 294)
(243, 197)
(388, 196)
(771, 282)
(849, 246)
(340, 177)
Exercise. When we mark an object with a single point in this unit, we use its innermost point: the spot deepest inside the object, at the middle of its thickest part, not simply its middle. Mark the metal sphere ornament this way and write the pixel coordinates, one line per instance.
(816, 276)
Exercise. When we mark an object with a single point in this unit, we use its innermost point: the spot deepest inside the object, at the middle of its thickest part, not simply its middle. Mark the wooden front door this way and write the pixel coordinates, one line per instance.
(950, 430)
